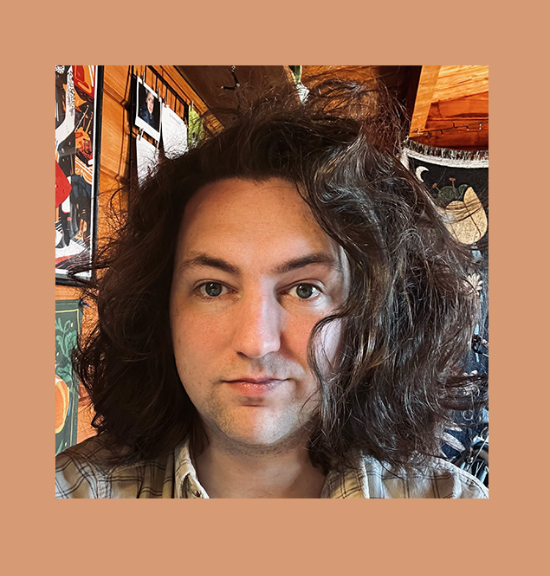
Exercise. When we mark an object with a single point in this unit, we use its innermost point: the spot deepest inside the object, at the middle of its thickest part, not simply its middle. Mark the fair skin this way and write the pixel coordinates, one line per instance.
(150, 100)
(253, 275)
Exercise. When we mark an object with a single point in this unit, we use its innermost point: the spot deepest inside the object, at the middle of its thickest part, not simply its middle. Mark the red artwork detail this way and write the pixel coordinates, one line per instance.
(62, 186)
(83, 81)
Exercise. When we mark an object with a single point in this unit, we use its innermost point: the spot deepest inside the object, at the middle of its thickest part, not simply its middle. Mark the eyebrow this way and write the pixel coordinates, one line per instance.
(204, 260)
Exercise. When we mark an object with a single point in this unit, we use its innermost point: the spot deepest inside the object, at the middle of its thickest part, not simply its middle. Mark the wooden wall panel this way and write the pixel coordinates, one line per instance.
(115, 141)
(117, 81)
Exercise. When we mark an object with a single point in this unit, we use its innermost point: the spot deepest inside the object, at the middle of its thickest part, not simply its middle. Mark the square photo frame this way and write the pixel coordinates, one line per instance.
(148, 110)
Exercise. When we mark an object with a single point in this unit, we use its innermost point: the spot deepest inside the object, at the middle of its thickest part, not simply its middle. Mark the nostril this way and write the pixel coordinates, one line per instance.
(257, 328)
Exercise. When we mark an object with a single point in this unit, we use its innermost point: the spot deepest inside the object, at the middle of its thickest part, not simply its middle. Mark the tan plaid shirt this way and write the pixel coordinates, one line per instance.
(81, 473)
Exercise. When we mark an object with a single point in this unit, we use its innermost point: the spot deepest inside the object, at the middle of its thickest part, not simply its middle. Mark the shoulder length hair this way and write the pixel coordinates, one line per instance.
(408, 321)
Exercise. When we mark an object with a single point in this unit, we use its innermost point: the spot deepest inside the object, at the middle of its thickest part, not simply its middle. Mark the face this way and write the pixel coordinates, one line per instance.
(253, 275)
(150, 103)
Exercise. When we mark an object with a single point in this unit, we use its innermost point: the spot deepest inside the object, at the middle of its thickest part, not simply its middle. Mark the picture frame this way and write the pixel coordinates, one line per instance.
(148, 110)
(78, 105)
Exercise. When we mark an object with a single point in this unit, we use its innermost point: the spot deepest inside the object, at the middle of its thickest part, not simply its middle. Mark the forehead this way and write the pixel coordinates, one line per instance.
(249, 218)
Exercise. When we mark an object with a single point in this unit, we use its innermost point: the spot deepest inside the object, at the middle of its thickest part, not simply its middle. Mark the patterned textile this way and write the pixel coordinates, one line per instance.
(459, 183)
(455, 178)
(81, 472)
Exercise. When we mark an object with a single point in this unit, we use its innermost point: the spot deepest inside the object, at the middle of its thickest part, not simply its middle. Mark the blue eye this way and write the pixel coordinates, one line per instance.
(305, 291)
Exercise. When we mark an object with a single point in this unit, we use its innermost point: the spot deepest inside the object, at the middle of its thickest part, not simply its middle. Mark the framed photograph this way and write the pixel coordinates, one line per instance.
(78, 91)
(148, 110)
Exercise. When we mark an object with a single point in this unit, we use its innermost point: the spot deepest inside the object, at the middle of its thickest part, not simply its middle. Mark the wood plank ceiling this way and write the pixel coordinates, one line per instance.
(216, 85)
(452, 107)
(448, 105)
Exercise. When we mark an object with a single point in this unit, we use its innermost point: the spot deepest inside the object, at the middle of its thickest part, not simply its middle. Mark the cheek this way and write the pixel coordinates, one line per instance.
(296, 338)
(328, 343)
(195, 337)
(197, 353)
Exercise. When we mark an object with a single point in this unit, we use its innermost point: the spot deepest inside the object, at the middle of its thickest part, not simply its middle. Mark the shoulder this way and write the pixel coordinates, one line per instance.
(453, 482)
(436, 478)
(81, 469)
(94, 469)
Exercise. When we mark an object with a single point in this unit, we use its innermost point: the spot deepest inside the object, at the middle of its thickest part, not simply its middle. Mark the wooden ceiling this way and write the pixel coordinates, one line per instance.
(216, 84)
(448, 105)
(452, 107)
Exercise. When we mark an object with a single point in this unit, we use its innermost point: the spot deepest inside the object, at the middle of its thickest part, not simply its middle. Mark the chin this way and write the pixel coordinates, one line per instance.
(255, 436)
(255, 428)
(265, 438)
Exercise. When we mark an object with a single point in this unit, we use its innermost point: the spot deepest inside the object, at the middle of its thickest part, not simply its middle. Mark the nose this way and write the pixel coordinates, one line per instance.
(258, 325)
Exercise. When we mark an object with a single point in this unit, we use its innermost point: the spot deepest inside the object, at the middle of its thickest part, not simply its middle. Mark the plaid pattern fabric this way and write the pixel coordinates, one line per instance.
(81, 472)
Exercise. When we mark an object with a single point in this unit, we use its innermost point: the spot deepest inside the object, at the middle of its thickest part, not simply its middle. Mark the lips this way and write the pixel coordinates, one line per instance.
(255, 386)
(262, 380)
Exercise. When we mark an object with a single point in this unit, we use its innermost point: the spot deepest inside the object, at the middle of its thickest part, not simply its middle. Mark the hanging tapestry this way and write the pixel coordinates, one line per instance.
(459, 183)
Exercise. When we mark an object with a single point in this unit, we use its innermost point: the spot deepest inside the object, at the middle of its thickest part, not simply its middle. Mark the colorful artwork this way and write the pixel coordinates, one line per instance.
(459, 184)
(77, 111)
(68, 322)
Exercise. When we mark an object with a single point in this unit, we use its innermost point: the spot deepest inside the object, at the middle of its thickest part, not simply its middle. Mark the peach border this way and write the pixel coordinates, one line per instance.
(498, 536)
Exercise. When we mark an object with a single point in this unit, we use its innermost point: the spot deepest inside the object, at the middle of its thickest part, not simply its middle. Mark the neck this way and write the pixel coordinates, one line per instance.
(250, 473)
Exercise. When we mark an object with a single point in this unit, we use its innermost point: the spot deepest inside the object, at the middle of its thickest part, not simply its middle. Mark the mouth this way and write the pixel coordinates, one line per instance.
(255, 386)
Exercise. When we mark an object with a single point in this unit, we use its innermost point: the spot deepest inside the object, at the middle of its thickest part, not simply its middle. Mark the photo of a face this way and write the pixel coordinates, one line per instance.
(148, 110)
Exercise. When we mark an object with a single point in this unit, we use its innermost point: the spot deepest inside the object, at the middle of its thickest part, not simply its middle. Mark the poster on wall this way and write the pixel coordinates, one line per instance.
(148, 110)
(77, 139)
(68, 323)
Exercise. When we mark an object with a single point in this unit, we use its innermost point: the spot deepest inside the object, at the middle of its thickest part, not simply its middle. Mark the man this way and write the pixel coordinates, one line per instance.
(284, 314)
(147, 108)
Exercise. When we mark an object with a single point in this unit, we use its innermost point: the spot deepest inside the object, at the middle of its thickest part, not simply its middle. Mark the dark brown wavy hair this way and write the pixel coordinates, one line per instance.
(408, 321)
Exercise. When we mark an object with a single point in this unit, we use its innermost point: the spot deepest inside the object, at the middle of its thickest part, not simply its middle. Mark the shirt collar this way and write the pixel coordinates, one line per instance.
(348, 483)
(186, 483)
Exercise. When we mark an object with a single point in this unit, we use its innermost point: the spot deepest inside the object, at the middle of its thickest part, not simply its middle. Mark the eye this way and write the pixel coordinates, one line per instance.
(304, 291)
(212, 289)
